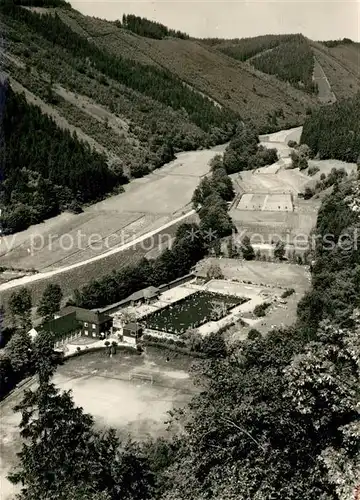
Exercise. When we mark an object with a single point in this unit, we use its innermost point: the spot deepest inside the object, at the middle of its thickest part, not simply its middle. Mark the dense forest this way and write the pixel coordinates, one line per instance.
(292, 61)
(334, 131)
(245, 48)
(45, 169)
(151, 81)
(150, 29)
(277, 416)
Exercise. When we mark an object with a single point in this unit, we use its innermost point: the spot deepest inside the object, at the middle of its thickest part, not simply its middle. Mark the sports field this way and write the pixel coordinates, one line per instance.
(102, 387)
(272, 202)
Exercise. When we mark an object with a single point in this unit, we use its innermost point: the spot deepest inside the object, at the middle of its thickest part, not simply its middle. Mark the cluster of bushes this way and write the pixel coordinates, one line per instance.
(154, 340)
(244, 152)
(313, 170)
(334, 131)
(150, 29)
(260, 309)
(287, 293)
(300, 156)
(335, 176)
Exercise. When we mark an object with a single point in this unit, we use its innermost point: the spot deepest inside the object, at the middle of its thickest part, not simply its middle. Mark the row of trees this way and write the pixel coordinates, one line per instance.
(334, 131)
(154, 82)
(336, 43)
(150, 29)
(45, 169)
(244, 152)
(292, 61)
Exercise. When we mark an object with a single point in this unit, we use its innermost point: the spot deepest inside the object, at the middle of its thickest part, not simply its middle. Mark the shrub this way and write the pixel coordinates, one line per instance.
(253, 334)
(260, 309)
(292, 144)
(287, 293)
(313, 170)
(308, 193)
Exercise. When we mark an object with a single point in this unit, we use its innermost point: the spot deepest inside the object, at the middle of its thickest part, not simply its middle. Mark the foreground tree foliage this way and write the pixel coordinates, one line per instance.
(63, 456)
(271, 419)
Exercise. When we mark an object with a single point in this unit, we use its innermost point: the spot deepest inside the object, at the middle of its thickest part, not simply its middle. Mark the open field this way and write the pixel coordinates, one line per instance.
(77, 275)
(146, 205)
(101, 386)
(271, 274)
(268, 203)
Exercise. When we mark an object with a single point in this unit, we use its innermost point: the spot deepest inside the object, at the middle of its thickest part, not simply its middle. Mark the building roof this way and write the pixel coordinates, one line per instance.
(134, 327)
(147, 293)
(85, 315)
(63, 325)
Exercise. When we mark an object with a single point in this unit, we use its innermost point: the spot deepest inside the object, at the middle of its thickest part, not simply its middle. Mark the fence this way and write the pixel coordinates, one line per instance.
(147, 377)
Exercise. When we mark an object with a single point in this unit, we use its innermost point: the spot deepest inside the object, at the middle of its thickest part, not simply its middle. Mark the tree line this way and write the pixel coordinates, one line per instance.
(157, 83)
(335, 43)
(41, 3)
(334, 131)
(45, 169)
(150, 29)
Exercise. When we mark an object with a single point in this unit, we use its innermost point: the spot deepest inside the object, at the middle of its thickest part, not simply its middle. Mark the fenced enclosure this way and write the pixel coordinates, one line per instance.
(141, 376)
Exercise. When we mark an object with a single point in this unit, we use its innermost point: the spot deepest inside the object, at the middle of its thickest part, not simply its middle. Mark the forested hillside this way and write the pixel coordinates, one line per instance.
(155, 83)
(292, 61)
(245, 48)
(45, 169)
(228, 82)
(334, 131)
